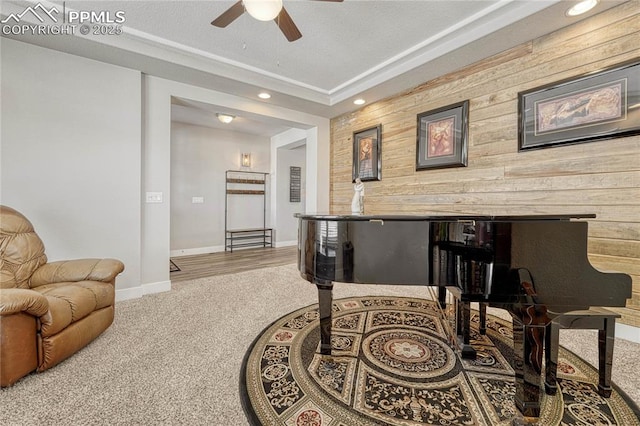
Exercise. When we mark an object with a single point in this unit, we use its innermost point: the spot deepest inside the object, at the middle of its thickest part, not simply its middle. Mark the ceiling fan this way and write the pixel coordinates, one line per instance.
(263, 10)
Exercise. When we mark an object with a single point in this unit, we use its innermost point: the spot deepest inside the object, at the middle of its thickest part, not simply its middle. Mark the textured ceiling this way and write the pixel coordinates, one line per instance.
(356, 48)
(340, 40)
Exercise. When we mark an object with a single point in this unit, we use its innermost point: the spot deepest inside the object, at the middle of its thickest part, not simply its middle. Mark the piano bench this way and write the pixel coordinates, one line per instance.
(599, 319)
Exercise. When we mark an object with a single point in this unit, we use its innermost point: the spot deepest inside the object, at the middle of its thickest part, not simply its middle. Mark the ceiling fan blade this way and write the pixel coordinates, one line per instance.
(288, 28)
(229, 15)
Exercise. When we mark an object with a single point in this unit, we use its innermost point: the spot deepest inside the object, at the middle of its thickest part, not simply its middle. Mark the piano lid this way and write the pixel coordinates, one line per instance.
(440, 217)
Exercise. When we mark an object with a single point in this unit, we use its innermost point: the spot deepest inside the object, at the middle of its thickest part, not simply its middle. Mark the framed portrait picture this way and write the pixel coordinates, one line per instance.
(442, 137)
(366, 154)
(601, 105)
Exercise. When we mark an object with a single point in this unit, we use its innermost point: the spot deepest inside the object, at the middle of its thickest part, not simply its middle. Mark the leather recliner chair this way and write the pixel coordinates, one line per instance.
(48, 311)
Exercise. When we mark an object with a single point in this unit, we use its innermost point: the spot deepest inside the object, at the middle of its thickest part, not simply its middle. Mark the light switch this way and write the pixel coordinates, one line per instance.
(153, 197)
(197, 200)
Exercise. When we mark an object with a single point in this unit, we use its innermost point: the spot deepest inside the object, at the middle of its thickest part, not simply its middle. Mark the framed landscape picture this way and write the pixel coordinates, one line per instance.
(366, 154)
(601, 105)
(442, 137)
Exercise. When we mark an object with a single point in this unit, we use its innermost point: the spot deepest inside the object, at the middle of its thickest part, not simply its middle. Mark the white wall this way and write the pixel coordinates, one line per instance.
(286, 224)
(199, 158)
(70, 153)
(83, 141)
(156, 159)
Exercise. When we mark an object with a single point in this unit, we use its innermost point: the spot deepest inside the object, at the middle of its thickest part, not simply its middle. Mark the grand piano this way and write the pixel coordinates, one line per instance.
(535, 267)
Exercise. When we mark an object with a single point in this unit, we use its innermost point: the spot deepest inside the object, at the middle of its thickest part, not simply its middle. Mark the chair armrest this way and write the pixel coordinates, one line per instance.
(16, 300)
(104, 270)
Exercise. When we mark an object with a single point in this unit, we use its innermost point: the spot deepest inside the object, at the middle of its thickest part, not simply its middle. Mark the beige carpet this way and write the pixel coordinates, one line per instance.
(169, 359)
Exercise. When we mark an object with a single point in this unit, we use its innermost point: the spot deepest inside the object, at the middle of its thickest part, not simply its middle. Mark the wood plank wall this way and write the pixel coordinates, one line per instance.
(600, 177)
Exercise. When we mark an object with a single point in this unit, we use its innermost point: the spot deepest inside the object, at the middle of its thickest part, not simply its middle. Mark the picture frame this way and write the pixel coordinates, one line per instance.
(367, 150)
(295, 183)
(442, 139)
(591, 107)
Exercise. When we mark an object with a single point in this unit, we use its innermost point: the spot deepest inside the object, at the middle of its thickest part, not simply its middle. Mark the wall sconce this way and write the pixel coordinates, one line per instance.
(245, 159)
(225, 118)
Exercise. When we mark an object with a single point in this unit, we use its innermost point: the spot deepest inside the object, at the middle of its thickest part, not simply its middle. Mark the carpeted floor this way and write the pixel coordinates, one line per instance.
(391, 364)
(175, 358)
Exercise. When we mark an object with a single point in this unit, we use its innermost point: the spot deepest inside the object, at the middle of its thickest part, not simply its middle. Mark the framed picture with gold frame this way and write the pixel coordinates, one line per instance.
(442, 137)
(367, 149)
(595, 106)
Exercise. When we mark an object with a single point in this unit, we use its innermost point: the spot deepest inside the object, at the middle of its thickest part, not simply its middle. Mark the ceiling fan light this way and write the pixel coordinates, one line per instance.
(263, 10)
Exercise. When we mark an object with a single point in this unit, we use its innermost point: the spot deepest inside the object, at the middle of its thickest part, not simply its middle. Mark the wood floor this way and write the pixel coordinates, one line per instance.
(207, 265)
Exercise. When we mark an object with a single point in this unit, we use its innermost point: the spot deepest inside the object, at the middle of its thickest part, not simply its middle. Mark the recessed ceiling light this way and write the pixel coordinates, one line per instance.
(225, 118)
(264, 95)
(582, 7)
(359, 101)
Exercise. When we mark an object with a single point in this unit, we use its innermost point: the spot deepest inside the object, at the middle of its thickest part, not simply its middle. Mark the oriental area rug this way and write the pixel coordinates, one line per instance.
(391, 365)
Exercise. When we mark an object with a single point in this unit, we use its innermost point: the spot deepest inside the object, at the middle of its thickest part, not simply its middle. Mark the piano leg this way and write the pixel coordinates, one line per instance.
(528, 379)
(464, 325)
(606, 337)
(462, 309)
(325, 298)
(442, 296)
(551, 344)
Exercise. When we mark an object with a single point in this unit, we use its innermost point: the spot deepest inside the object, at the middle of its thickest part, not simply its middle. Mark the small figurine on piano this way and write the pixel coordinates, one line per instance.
(357, 203)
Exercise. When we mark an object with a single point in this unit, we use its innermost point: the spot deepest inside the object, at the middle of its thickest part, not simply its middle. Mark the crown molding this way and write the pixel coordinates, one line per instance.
(489, 20)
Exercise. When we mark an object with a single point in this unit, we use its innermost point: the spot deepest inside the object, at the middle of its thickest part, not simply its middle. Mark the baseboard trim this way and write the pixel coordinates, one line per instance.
(217, 249)
(286, 243)
(158, 287)
(628, 332)
(142, 290)
(197, 250)
(128, 293)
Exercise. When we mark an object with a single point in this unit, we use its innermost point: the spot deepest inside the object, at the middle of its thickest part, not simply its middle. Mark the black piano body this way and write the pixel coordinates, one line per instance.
(535, 267)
